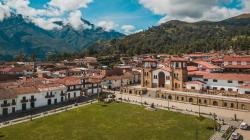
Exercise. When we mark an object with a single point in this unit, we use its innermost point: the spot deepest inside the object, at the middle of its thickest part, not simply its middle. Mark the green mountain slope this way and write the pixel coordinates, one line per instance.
(177, 37)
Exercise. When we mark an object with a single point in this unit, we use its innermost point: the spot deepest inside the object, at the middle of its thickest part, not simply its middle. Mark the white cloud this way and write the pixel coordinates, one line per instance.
(47, 24)
(69, 5)
(4, 11)
(75, 20)
(193, 10)
(107, 25)
(128, 29)
(50, 12)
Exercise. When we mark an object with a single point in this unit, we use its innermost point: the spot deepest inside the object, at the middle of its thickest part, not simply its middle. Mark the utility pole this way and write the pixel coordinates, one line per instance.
(168, 102)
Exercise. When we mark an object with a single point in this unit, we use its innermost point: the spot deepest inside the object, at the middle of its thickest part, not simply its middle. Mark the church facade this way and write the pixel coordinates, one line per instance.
(172, 77)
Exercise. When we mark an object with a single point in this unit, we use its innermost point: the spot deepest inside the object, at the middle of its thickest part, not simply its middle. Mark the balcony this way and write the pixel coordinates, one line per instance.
(13, 103)
(32, 99)
(24, 100)
(49, 96)
(5, 105)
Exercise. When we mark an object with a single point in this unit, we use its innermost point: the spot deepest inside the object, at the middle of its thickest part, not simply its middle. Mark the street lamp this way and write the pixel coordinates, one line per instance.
(199, 107)
(141, 99)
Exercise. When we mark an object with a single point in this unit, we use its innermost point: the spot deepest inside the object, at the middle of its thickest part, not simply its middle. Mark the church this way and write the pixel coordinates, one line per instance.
(172, 77)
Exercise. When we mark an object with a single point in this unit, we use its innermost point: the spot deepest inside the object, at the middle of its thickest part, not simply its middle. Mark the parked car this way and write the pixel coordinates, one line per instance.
(235, 136)
(243, 126)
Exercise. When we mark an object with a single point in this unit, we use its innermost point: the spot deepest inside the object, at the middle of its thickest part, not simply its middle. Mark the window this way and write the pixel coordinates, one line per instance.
(247, 92)
(5, 102)
(230, 62)
(225, 104)
(167, 78)
(238, 62)
(214, 88)
(193, 88)
(240, 82)
(205, 80)
(13, 109)
(155, 76)
(229, 81)
(13, 102)
(229, 89)
(215, 80)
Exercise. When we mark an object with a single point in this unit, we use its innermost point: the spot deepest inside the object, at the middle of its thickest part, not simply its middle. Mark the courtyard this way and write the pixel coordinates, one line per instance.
(112, 121)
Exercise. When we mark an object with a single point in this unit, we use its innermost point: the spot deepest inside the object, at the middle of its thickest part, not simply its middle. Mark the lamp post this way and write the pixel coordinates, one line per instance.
(199, 107)
(168, 102)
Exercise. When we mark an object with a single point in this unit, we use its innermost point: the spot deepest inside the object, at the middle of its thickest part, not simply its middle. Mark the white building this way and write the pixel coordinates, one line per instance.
(230, 82)
(35, 93)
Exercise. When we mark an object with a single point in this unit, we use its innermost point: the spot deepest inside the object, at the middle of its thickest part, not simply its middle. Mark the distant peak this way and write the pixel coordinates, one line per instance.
(242, 16)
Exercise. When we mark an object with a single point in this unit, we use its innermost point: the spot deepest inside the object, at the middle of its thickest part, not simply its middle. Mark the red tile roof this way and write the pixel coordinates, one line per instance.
(237, 66)
(192, 68)
(149, 60)
(6, 93)
(68, 81)
(207, 65)
(195, 82)
(178, 59)
(237, 58)
(227, 76)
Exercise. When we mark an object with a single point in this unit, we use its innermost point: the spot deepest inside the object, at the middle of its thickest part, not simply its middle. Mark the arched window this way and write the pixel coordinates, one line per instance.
(199, 101)
(243, 107)
(190, 100)
(215, 103)
(225, 104)
(232, 105)
(170, 97)
(205, 101)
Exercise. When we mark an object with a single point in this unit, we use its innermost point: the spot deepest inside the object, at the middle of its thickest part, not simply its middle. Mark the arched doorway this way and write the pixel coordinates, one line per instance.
(161, 79)
(215, 103)
(190, 100)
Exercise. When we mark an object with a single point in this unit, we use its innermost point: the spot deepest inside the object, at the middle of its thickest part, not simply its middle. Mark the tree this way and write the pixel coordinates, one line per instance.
(33, 57)
(20, 57)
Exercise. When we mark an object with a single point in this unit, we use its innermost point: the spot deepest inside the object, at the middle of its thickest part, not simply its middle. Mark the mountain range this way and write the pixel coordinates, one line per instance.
(18, 34)
(177, 37)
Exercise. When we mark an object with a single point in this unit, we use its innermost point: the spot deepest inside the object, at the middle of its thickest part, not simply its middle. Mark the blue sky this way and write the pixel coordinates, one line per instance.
(126, 16)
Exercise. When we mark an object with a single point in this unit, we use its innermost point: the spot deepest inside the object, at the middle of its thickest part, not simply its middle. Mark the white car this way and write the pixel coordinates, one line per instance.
(243, 126)
(235, 136)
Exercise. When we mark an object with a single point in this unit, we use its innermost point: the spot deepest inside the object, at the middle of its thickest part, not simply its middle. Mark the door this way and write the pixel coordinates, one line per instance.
(61, 99)
(49, 101)
(23, 107)
(5, 111)
(55, 101)
(32, 105)
(161, 78)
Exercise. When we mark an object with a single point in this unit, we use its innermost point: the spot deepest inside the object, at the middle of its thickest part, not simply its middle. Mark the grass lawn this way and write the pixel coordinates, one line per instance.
(113, 122)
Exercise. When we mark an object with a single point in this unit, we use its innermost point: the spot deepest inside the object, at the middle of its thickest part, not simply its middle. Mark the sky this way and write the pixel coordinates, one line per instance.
(127, 16)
